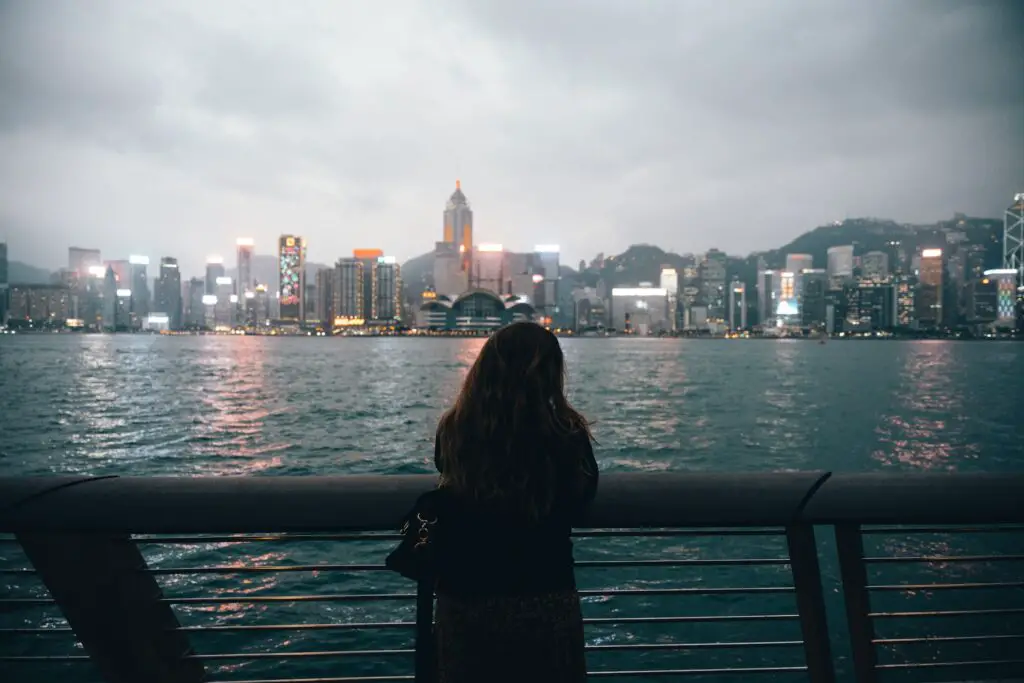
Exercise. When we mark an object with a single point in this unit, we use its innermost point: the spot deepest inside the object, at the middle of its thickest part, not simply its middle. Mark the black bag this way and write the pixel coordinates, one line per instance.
(416, 558)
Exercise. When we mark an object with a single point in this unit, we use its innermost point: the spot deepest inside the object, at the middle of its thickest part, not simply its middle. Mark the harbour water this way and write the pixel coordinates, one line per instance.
(190, 406)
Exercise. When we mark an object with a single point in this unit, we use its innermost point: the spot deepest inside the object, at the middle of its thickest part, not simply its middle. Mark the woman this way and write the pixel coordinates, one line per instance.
(517, 465)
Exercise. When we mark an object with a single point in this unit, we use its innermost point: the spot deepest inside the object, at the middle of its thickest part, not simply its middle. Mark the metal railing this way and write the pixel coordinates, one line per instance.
(800, 575)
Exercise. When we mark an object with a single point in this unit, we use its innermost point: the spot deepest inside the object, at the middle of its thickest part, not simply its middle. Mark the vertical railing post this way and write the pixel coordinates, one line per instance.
(810, 602)
(114, 606)
(850, 545)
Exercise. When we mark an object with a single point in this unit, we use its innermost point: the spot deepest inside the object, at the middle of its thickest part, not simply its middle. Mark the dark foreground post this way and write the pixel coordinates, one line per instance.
(810, 602)
(113, 606)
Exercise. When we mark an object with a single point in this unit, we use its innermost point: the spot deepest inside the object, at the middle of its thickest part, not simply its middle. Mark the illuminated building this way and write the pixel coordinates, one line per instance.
(244, 282)
(869, 307)
(167, 292)
(214, 270)
(139, 304)
(904, 296)
(226, 303)
(796, 264)
(292, 278)
(81, 261)
(1005, 280)
(196, 314)
(348, 292)
(788, 308)
(874, 266)
(122, 272)
(840, 265)
(519, 275)
(476, 310)
(982, 300)
(545, 277)
(813, 288)
(257, 307)
(712, 278)
(368, 257)
(928, 298)
(639, 310)
(458, 225)
(669, 281)
(449, 277)
(122, 308)
(1013, 238)
(386, 290)
(39, 305)
(737, 306)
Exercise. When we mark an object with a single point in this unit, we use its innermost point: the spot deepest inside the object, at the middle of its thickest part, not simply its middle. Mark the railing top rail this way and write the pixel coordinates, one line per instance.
(377, 502)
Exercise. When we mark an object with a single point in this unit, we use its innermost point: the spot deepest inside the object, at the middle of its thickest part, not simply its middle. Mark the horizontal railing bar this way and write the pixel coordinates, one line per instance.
(18, 571)
(270, 569)
(39, 659)
(626, 592)
(296, 627)
(33, 631)
(299, 655)
(629, 533)
(951, 665)
(335, 679)
(267, 538)
(691, 619)
(949, 613)
(994, 528)
(738, 671)
(682, 563)
(25, 602)
(696, 646)
(341, 597)
(947, 558)
(947, 639)
(945, 586)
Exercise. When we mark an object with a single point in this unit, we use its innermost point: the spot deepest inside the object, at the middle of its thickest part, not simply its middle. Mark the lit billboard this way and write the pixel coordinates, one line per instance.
(291, 269)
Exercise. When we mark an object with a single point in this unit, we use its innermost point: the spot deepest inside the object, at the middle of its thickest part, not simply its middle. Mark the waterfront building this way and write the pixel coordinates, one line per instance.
(292, 278)
(639, 310)
(449, 277)
(1005, 280)
(139, 305)
(545, 277)
(768, 288)
(737, 306)
(109, 300)
(458, 226)
(797, 263)
(488, 267)
(869, 307)
(386, 295)
(38, 305)
(225, 303)
(519, 275)
(83, 261)
(167, 292)
(814, 288)
(347, 292)
(325, 298)
(982, 299)
(903, 291)
(122, 309)
(368, 257)
(214, 270)
(840, 265)
(196, 317)
(711, 272)
(787, 311)
(245, 247)
(669, 281)
(122, 272)
(474, 311)
(874, 266)
(928, 298)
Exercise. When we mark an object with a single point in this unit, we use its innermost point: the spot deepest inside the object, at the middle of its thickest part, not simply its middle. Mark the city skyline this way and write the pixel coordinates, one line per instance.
(689, 125)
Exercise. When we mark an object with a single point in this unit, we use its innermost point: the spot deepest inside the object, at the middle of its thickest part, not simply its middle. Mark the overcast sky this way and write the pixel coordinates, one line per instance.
(171, 128)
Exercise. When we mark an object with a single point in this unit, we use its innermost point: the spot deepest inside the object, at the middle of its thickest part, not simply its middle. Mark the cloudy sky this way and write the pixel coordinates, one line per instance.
(171, 128)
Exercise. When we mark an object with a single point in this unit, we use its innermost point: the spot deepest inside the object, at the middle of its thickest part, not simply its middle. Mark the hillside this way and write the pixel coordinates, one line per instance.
(19, 273)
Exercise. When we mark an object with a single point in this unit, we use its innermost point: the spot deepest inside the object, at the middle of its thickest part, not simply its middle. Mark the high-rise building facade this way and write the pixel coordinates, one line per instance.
(928, 298)
(737, 305)
(1005, 280)
(840, 265)
(904, 287)
(82, 261)
(712, 272)
(813, 299)
(488, 267)
(214, 270)
(167, 292)
(196, 315)
(139, 305)
(458, 225)
(387, 290)
(874, 266)
(767, 295)
(325, 297)
(244, 250)
(348, 292)
(869, 307)
(669, 281)
(797, 263)
(292, 277)
(546, 273)
(4, 284)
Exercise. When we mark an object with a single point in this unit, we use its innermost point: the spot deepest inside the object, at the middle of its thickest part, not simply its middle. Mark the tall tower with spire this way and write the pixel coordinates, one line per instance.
(458, 224)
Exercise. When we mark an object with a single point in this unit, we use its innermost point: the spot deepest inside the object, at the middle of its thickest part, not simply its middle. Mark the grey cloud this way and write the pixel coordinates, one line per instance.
(175, 127)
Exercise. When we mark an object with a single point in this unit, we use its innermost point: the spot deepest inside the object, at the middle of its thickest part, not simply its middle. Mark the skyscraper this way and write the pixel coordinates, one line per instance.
(488, 267)
(214, 270)
(449, 277)
(4, 285)
(196, 318)
(840, 265)
(874, 266)
(348, 291)
(80, 261)
(244, 282)
(292, 277)
(546, 273)
(669, 281)
(796, 263)
(387, 290)
(712, 278)
(928, 298)
(458, 224)
(167, 292)
(139, 305)
(325, 297)
(813, 300)
(737, 305)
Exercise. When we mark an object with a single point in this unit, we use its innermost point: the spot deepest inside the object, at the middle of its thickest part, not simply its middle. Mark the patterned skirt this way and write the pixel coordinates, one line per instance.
(501, 639)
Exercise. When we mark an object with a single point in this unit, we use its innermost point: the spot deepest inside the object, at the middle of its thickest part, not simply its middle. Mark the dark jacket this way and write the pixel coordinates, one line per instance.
(488, 550)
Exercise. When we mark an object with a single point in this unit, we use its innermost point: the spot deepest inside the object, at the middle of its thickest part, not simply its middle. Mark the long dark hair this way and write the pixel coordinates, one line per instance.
(511, 433)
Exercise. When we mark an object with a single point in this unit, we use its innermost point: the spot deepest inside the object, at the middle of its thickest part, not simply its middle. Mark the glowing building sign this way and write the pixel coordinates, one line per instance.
(1006, 285)
(290, 270)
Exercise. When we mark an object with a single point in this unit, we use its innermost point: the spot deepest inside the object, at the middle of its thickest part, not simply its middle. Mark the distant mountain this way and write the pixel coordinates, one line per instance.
(19, 273)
